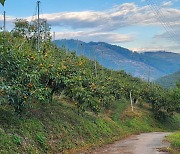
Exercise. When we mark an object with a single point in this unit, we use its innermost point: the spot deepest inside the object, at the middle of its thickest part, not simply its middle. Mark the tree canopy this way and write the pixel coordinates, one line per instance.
(28, 76)
(2, 2)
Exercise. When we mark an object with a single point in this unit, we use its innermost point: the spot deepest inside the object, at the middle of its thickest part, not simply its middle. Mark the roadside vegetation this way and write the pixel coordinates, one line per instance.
(174, 139)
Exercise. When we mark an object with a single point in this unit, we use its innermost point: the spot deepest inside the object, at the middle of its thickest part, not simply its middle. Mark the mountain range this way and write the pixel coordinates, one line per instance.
(169, 81)
(146, 65)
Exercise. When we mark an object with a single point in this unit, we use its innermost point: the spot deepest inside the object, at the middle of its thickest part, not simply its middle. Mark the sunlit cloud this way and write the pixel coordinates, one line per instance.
(95, 36)
(123, 15)
(157, 48)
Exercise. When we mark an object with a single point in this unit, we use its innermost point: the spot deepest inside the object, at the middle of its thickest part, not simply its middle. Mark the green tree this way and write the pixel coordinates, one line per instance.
(2, 2)
(29, 31)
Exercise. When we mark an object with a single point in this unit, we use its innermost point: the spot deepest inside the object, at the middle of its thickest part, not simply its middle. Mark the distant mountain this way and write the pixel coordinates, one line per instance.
(169, 81)
(144, 65)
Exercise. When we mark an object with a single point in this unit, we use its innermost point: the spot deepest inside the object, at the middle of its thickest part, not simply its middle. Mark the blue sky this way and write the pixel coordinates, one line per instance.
(27, 6)
(131, 24)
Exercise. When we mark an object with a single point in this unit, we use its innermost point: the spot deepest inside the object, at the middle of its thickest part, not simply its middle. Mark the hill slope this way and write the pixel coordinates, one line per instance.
(96, 108)
(56, 127)
(169, 81)
(115, 57)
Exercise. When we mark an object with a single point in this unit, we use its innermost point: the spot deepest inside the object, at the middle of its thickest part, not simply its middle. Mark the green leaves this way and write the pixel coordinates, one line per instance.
(2, 2)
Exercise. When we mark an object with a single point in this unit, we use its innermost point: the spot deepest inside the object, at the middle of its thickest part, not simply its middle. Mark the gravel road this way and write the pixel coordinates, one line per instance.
(146, 143)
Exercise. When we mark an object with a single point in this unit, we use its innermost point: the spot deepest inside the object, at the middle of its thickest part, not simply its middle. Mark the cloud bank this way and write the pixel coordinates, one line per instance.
(105, 25)
(96, 36)
(124, 15)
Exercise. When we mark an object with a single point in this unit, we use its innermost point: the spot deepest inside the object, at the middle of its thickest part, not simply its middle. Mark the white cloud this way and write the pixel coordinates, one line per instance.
(172, 34)
(123, 15)
(145, 49)
(95, 36)
(167, 4)
(170, 48)
(9, 19)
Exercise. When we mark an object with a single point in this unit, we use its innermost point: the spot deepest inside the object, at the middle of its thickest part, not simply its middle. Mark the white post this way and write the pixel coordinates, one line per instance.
(131, 102)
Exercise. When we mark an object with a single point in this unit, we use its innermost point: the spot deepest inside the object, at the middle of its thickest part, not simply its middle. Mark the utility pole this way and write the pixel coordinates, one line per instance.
(4, 26)
(89, 54)
(77, 47)
(149, 75)
(82, 46)
(54, 36)
(102, 53)
(95, 67)
(45, 30)
(95, 63)
(38, 45)
(66, 46)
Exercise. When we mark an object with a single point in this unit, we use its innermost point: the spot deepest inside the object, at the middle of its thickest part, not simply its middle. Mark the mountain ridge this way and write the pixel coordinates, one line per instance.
(146, 65)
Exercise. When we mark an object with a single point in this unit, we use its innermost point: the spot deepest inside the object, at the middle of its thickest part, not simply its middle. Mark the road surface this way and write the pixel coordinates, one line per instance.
(146, 143)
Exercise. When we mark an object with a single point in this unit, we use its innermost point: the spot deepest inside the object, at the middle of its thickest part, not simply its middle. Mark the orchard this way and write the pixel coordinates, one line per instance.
(30, 77)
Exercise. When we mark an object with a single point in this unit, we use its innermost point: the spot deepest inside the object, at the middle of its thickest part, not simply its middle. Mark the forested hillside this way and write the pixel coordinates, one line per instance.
(169, 81)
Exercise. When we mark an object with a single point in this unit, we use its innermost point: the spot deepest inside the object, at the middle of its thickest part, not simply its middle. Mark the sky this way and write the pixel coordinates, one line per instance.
(139, 25)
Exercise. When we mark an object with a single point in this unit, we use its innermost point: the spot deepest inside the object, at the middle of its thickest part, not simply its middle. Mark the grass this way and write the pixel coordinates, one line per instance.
(56, 127)
(142, 119)
(174, 139)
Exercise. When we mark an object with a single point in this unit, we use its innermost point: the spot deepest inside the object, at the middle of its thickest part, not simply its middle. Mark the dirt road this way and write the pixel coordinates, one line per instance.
(146, 143)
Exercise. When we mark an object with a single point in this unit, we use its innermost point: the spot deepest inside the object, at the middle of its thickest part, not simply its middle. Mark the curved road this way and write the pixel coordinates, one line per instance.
(146, 143)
